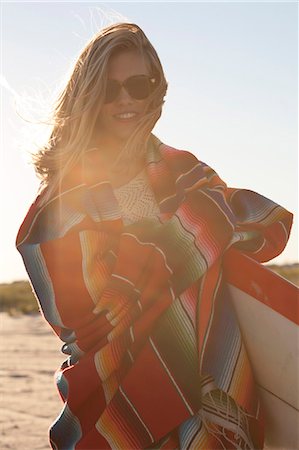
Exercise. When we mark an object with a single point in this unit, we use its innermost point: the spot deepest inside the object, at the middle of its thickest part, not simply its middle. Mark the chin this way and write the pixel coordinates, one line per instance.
(124, 137)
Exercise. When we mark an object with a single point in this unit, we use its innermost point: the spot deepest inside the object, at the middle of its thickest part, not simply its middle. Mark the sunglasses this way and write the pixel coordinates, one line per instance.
(139, 87)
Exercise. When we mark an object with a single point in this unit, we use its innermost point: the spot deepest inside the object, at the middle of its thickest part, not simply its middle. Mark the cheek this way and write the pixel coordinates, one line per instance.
(144, 106)
(105, 111)
(104, 115)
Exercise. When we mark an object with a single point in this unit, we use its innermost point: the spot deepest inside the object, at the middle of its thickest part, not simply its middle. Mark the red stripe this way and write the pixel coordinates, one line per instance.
(153, 394)
(262, 284)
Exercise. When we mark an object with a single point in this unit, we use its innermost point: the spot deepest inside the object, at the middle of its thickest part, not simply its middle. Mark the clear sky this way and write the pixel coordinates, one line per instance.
(232, 97)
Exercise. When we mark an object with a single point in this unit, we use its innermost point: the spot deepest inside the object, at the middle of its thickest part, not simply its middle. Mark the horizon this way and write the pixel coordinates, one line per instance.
(232, 97)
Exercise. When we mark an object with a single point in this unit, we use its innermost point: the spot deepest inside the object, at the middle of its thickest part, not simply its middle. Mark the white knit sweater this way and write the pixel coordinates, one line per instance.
(136, 199)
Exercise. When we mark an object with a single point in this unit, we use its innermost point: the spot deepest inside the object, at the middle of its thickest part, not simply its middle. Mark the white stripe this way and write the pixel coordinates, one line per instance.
(178, 180)
(137, 414)
(139, 304)
(132, 334)
(284, 229)
(152, 245)
(98, 184)
(260, 247)
(123, 279)
(189, 171)
(171, 291)
(137, 291)
(130, 355)
(171, 377)
(210, 321)
(167, 198)
(219, 206)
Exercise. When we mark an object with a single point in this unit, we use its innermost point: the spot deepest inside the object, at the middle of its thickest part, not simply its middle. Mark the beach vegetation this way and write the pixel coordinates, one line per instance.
(17, 297)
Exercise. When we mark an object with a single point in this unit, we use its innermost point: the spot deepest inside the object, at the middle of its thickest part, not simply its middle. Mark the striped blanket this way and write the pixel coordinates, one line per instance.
(156, 358)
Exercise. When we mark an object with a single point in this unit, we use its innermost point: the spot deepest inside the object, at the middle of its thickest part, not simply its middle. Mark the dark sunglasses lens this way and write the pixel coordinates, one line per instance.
(112, 90)
(139, 87)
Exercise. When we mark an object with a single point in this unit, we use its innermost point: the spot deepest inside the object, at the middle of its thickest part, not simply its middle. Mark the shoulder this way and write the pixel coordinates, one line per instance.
(183, 162)
(176, 156)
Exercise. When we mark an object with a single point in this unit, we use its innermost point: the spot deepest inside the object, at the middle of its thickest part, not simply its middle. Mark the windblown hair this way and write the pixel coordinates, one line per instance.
(77, 109)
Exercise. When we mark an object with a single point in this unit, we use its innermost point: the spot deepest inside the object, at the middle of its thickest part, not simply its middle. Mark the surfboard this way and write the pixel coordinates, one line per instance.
(267, 307)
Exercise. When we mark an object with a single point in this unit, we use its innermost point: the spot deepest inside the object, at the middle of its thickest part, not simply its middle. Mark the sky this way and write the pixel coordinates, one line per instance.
(232, 98)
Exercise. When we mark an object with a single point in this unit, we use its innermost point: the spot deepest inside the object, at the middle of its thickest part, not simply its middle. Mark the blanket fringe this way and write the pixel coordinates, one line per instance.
(224, 418)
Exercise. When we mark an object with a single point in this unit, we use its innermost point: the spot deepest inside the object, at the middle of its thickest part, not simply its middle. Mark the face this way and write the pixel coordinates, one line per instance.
(120, 118)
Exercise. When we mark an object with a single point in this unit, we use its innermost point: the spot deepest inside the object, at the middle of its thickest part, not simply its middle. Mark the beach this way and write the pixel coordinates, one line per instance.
(30, 354)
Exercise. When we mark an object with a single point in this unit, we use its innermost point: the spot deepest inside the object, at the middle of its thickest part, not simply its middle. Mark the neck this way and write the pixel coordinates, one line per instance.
(110, 148)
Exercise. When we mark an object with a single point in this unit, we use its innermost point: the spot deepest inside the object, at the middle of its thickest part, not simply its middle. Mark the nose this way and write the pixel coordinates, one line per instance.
(124, 97)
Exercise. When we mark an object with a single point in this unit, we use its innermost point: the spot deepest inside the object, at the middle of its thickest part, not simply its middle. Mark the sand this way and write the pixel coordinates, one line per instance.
(29, 401)
(30, 353)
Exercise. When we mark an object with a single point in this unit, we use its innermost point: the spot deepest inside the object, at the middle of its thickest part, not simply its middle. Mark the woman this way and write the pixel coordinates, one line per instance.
(124, 248)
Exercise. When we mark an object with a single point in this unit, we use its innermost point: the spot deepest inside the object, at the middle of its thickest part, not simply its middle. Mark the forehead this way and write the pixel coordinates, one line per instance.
(127, 63)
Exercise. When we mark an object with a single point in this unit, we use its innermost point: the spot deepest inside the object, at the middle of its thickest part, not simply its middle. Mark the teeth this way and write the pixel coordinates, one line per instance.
(128, 115)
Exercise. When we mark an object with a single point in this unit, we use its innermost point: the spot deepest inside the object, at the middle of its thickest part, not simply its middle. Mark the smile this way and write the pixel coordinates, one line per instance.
(126, 115)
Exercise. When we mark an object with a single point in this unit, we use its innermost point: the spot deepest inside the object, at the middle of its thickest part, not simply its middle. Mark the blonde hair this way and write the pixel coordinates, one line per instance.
(79, 104)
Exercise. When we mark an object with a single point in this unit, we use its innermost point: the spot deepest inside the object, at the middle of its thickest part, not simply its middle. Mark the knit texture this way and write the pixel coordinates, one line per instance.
(136, 199)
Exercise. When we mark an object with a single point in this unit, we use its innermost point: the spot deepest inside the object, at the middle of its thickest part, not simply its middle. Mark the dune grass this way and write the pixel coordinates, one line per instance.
(289, 272)
(18, 298)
